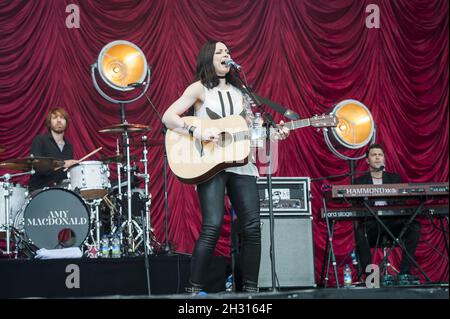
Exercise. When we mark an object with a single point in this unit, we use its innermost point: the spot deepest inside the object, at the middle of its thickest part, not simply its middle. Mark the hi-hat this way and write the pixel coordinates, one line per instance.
(120, 128)
(29, 163)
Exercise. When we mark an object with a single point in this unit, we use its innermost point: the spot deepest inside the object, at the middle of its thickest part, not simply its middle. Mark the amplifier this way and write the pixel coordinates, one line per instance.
(291, 196)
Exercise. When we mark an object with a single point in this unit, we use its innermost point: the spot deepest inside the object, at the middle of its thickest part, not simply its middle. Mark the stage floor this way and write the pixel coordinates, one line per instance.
(126, 278)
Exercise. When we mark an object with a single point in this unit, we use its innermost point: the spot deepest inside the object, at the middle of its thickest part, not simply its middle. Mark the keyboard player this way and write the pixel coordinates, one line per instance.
(369, 230)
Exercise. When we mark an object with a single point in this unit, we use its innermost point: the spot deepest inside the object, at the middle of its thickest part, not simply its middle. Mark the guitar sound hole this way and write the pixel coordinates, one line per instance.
(225, 139)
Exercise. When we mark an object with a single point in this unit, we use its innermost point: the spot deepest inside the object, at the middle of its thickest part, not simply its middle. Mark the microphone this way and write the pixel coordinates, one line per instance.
(136, 84)
(380, 169)
(230, 63)
(291, 115)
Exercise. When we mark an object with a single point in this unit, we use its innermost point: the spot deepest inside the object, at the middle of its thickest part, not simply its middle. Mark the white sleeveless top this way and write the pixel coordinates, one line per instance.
(220, 103)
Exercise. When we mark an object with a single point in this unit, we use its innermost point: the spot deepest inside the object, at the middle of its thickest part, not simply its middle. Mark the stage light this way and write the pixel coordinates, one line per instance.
(123, 67)
(355, 128)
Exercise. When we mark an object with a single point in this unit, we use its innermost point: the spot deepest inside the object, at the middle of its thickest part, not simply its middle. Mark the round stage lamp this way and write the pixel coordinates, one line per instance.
(122, 66)
(355, 128)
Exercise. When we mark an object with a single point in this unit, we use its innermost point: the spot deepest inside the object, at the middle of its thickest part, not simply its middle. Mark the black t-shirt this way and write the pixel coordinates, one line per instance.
(44, 145)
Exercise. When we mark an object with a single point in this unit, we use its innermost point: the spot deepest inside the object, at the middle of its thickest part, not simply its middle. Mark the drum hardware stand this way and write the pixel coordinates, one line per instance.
(146, 176)
(126, 139)
(113, 213)
(94, 205)
(133, 242)
(119, 178)
(146, 220)
(7, 187)
(23, 245)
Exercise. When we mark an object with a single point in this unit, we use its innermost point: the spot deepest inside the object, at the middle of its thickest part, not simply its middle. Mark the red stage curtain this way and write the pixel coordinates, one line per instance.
(307, 55)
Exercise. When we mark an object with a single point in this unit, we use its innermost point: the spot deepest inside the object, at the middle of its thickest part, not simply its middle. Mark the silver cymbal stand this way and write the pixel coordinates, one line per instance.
(146, 177)
(7, 195)
(119, 178)
(131, 243)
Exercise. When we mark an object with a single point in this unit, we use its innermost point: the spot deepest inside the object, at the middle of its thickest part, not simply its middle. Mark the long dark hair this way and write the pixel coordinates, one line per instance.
(205, 72)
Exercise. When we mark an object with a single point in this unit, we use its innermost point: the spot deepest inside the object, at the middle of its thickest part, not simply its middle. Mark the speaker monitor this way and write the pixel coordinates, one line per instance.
(294, 255)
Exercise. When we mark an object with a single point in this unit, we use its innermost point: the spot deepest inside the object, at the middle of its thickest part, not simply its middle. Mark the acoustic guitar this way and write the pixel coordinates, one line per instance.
(194, 161)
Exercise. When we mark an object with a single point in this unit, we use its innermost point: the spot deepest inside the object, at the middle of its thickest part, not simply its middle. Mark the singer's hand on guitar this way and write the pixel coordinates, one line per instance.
(207, 135)
(281, 133)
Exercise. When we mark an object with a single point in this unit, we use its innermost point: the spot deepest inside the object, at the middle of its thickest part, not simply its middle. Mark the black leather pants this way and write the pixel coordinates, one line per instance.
(244, 196)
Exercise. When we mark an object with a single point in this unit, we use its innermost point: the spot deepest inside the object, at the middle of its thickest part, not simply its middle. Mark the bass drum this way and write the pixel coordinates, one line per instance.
(55, 218)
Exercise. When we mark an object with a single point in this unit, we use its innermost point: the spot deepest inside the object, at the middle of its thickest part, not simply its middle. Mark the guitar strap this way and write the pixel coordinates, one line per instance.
(274, 106)
(222, 104)
(231, 103)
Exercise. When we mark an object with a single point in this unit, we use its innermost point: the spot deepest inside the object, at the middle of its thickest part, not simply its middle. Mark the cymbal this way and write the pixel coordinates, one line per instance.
(28, 163)
(120, 128)
(116, 159)
(2, 148)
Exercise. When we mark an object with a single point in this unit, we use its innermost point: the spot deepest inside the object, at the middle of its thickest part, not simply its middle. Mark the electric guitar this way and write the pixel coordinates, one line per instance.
(194, 161)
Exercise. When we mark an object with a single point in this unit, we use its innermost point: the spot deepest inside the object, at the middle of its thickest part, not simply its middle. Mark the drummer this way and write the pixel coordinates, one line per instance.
(52, 144)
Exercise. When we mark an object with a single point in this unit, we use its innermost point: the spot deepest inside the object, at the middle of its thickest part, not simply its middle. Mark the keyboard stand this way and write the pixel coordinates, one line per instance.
(329, 250)
(399, 239)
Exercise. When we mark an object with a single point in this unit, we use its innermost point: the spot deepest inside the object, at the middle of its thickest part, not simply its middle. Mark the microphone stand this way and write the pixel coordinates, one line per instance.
(268, 119)
(270, 123)
(166, 246)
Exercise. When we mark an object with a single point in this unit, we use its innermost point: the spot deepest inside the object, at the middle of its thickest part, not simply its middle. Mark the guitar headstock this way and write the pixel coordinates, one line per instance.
(324, 120)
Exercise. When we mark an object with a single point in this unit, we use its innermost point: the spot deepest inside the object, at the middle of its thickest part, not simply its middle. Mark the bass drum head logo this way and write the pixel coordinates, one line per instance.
(56, 218)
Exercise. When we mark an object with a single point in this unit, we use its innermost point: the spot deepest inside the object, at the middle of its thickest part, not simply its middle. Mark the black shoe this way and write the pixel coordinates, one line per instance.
(194, 288)
(250, 289)
(408, 280)
(250, 286)
(388, 281)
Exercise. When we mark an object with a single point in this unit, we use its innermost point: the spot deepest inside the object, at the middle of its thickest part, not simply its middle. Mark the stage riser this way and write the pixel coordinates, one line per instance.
(103, 277)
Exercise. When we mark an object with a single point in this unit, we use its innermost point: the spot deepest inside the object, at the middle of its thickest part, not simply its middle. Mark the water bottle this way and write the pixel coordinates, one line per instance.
(347, 276)
(116, 250)
(257, 131)
(104, 247)
(229, 283)
(353, 256)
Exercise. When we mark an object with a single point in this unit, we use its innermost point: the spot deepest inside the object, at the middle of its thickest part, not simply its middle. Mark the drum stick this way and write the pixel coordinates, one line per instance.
(84, 157)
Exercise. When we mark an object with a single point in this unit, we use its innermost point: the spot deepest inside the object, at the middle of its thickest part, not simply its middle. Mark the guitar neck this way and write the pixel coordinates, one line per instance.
(244, 135)
(298, 124)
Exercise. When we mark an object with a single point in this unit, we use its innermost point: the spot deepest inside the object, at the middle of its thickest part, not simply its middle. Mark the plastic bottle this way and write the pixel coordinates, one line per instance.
(354, 260)
(347, 276)
(229, 283)
(104, 247)
(116, 249)
(257, 131)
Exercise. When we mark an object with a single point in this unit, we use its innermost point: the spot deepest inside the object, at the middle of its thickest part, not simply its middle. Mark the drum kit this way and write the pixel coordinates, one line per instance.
(83, 209)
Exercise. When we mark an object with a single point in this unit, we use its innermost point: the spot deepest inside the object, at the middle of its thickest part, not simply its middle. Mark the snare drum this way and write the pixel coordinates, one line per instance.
(54, 218)
(91, 178)
(18, 194)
